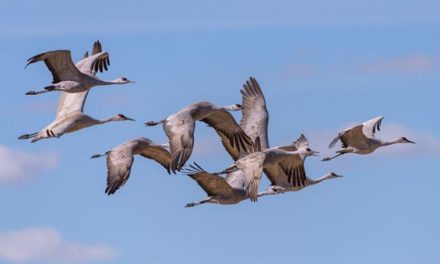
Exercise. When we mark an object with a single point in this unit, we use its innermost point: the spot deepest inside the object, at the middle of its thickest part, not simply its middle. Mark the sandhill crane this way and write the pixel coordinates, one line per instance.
(69, 78)
(179, 128)
(289, 175)
(228, 190)
(252, 164)
(70, 116)
(360, 139)
(120, 159)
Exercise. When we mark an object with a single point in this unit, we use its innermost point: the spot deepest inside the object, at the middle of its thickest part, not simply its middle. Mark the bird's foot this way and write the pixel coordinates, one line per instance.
(98, 155)
(25, 136)
(190, 205)
(152, 123)
(32, 93)
(326, 159)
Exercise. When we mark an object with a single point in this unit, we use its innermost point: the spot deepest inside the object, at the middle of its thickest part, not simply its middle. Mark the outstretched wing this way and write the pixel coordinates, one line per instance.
(60, 64)
(158, 154)
(371, 126)
(252, 168)
(233, 137)
(74, 102)
(212, 184)
(119, 162)
(255, 116)
(293, 166)
(179, 129)
(98, 62)
(91, 65)
(351, 137)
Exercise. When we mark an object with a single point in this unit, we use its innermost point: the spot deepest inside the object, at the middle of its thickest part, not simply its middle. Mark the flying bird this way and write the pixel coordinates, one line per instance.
(70, 114)
(360, 139)
(120, 159)
(253, 164)
(179, 128)
(71, 78)
(290, 175)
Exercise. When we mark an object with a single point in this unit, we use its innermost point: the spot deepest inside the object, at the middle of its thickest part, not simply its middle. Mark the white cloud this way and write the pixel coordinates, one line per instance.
(409, 64)
(33, 245)
(18, 166)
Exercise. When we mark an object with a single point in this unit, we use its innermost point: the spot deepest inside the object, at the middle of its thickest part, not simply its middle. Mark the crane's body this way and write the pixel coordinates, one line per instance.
(360, 139)
(71, 78)
(179, 128)
(120, 160)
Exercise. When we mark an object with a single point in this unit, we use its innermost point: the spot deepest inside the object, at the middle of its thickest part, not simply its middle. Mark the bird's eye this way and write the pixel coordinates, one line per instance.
(238, 105)
(121, 115)
(308, 149)
(124, 79)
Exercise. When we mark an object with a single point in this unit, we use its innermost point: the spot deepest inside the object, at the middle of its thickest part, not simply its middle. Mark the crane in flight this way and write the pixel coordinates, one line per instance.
(360, 139)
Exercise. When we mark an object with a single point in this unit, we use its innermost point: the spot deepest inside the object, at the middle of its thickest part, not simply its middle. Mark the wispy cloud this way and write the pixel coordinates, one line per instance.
(38, 245)
(19, 166)
(409, 64)
(405, 64)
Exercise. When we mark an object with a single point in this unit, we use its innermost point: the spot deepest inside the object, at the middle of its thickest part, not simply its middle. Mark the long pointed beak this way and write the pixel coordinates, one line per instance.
(337, 175)
(315, 153)
(412, 142)
(131, 119)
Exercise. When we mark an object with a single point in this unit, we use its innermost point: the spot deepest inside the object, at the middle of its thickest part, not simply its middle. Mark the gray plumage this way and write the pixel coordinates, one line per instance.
(290, 175)
(255, 119)
(179, 128)
(71, 78)
(252, 165)
(229, 190)
(120, 159)
(360, 139)
(70, 114)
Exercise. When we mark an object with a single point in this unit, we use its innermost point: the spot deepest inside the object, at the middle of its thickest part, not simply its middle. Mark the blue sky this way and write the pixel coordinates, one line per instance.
(323, 65)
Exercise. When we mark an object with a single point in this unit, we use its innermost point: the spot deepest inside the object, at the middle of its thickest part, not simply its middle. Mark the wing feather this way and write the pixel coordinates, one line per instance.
(119, 162)
(60, 64)
(255, 116)
(212, 184)
(179, 129)
(233, 137)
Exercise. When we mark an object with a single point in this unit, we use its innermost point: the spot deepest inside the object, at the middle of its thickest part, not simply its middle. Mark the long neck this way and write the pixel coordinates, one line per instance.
(387, 143)
(230, 108)
(103, 121)
(320, 179)
(103, 82)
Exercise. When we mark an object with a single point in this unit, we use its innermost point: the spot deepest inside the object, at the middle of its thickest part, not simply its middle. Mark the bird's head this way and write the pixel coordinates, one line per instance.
(307, 152)
(405, 140)
(121, 117)
(333, 175)
(234, 107)
(124, 80)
